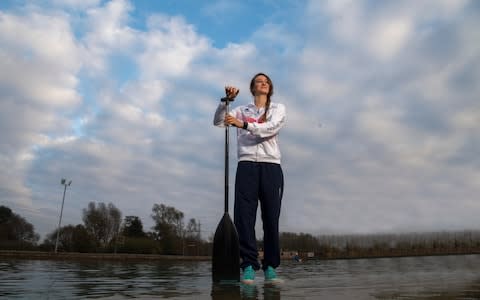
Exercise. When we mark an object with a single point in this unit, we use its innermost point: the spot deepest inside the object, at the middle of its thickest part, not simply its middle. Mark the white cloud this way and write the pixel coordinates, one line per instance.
(169, 47)
(387, 37)
(107, 33)
(154, 120)
(277, 38)
(39, 59)
(466, 119)
(381, 29)
(346, 18)
(147, 93)
(128, 112)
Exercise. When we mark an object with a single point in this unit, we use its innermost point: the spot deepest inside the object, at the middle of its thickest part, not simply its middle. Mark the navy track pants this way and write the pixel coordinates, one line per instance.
(258, 182)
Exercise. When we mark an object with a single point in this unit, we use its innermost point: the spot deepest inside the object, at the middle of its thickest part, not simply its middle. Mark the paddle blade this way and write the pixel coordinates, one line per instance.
(225, 256)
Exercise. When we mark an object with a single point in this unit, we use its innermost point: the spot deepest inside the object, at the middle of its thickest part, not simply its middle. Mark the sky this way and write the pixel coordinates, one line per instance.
(382, 132)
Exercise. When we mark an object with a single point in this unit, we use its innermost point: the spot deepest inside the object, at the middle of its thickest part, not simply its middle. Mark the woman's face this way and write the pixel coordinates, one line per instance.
(261, 85)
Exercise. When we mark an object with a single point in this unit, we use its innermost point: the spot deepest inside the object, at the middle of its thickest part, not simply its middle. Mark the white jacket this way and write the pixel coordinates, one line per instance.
(259, 142)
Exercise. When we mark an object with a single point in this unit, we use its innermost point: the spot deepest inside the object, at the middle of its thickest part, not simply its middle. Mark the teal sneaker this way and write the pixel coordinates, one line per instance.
(248, 275)
(270, 274)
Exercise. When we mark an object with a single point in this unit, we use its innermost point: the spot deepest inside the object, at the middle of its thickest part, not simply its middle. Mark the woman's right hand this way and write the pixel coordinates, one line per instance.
(231, 92)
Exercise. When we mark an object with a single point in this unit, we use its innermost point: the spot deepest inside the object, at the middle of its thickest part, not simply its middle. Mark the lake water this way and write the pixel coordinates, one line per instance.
(434, 277)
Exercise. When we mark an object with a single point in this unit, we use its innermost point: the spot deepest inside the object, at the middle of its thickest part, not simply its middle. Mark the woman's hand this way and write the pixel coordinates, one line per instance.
(231, 92)
(231, 120)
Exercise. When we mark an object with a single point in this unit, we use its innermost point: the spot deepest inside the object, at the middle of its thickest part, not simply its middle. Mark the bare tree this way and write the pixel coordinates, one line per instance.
(102, 223)
(169, 227)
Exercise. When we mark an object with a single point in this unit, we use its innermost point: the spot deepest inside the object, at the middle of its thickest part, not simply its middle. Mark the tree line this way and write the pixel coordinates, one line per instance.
(15, 231)
(104, 230)
(383, 245)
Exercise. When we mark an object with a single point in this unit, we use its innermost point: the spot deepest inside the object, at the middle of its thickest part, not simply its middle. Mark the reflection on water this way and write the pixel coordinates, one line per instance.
(441, 277)
(245, 291)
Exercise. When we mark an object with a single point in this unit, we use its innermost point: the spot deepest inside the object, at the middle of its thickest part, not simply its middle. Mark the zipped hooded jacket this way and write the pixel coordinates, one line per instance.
(259, 142)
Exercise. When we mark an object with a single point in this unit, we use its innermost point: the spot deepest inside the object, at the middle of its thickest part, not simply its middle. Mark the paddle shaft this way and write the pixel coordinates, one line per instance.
(227, 144)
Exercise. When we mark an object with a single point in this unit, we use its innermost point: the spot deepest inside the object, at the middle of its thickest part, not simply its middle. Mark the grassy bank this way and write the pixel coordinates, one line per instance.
(16, 254)
(5, 254)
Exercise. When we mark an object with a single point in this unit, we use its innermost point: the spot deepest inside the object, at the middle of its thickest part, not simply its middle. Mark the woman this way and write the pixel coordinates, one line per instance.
(259, 177)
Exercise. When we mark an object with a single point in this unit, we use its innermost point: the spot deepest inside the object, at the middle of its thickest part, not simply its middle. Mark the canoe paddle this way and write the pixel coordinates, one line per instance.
(226, 249)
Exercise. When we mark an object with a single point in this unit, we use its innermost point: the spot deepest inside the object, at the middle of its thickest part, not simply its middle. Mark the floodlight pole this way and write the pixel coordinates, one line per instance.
(65, 184)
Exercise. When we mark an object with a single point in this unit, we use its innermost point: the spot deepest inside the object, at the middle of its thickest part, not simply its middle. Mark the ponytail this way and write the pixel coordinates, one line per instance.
(263, 118)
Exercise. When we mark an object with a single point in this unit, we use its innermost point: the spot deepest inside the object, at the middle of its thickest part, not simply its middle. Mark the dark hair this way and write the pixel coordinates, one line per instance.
(269, 95)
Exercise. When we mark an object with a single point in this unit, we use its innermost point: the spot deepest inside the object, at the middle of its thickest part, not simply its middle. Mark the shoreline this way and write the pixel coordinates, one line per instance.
(42, 255)
(17, 254)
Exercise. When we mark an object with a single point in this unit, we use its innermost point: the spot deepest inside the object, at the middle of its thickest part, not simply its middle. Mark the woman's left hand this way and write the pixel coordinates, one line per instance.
(231, 120)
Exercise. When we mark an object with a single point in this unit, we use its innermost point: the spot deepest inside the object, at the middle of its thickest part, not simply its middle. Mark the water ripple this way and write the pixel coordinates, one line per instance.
(440, 277)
